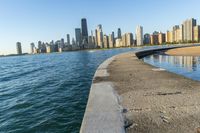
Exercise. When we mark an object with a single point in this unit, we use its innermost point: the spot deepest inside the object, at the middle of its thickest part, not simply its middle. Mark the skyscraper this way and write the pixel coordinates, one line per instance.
(68, 39)
(84, 30)
(139, 35)
(19, 48)
(105, 41)
(197, 33)
(99, 36)
(78, 36)
(119, 33)
(188, 29)
(32, 48)
(147, 38)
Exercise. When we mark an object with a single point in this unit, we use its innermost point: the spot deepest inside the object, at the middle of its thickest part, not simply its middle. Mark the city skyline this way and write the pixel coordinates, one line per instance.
(24, 24)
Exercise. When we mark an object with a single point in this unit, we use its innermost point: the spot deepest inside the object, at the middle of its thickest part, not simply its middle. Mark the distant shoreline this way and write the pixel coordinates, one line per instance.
(188, 51)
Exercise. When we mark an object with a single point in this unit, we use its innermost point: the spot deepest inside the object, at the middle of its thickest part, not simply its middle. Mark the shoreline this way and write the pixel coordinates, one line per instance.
(188, 51)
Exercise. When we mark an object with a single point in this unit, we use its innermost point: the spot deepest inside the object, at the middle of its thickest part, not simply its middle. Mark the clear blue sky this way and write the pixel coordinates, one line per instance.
(32, 20)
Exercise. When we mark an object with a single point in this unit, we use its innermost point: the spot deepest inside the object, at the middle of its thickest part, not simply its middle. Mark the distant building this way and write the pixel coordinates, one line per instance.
(124, 41)
(161, 38)
(154, 39)
(99, 36)
(147, 39)
(196, 33)
(118, 43)
(105, 41)
(32, 48)
(78, 36)
(169, 36)
(19, 48)
(111, 40)
(129, 39)
(188, 29)
(68, 39)
(119, 33)
(139, 35)
(175, 33)
(84, 31)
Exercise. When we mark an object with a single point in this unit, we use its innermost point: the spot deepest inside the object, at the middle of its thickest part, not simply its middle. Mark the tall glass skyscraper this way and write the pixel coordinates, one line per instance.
(84, 31)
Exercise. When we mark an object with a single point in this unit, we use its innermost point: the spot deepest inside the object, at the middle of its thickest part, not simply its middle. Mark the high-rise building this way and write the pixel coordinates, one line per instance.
(188, 29)
(169, 37)
(105, 41)
(174, 32)
(147, 39)
(111, 40)
(99, 36)
(32, 48)
(124, 43)
(19, 48)
(154, 38)
(68, 39)
(197, 33)
(139, 35)
(119, 33)
(78, 36)
(84, 30)
(161, 38)
(129, 39)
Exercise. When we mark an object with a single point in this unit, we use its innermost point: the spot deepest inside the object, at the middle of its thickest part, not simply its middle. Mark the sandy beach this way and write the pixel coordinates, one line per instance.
(156, 101)
(188, 51)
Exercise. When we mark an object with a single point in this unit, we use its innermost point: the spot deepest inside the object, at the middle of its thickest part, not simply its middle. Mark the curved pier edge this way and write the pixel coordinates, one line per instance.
(103, 112)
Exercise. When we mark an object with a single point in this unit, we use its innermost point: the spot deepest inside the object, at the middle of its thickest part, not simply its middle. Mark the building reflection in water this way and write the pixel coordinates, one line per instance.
(190, 63)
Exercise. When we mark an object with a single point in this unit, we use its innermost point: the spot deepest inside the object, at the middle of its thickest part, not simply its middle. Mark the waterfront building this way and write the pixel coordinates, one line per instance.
(124, 43)
(139, 35)
(68, 39)
(119, 33)
(118, 43)
(84, 31)
(154, 39)
(62, 41)
(32, 48)
(129, 39)
(99, 35)
(19, 48)
(147, 38)
(175, 35)
(169, 36)
(111, 40)
(78, 36)
(188, 29)
(161, 38)
(105, 41)
(49, 48)
(196, 33)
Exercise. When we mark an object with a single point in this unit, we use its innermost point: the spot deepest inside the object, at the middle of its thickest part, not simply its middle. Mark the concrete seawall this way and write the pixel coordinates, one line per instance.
(103, 112)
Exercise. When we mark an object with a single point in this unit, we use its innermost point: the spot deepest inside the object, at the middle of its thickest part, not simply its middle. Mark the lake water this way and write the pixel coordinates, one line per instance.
(47, 93)
(188, 66)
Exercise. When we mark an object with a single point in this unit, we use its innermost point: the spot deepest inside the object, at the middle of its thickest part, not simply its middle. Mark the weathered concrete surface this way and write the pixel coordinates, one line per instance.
(156, 101)
(103, 112)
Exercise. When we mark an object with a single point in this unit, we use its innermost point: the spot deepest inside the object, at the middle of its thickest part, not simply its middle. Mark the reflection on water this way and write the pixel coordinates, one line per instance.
(188, 66)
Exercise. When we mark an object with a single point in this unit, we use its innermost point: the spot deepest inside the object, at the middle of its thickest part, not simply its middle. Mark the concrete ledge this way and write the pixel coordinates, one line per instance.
(103, 112)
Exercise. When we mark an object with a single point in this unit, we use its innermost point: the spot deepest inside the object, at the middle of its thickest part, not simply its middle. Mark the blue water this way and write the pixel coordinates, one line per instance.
(187, 66)
(47, 93)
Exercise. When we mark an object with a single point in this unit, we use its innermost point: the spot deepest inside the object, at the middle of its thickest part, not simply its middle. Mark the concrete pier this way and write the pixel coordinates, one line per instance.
(128, 95)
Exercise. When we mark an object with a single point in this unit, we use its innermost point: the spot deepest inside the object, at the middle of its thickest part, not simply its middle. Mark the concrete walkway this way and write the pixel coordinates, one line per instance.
(157, 101)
